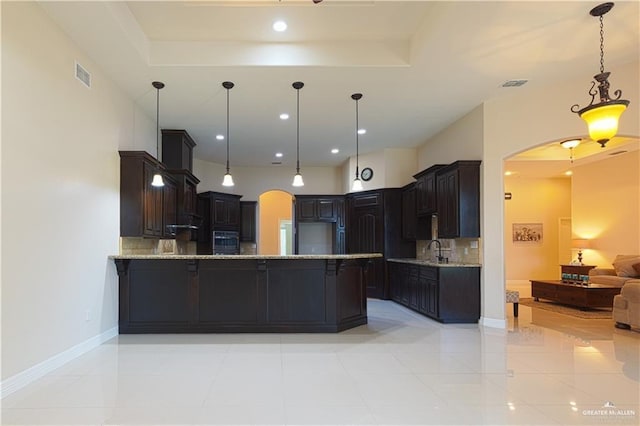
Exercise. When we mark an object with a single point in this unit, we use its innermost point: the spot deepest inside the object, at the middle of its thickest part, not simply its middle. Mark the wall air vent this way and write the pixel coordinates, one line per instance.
(83, 75)
(514, 83)
(617, 152)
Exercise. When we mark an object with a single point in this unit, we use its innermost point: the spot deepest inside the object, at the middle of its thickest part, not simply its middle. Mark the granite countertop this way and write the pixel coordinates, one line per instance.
(245, 256)
(440, 265)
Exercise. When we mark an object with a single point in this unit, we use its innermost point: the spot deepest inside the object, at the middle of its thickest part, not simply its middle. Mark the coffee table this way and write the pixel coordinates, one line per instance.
(590, 296)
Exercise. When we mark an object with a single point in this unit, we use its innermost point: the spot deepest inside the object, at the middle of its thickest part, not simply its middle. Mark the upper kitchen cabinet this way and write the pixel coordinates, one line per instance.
(426, 190)
(141, 205)
(248, 221)
(409, 217)
(177, 150)
(458, 195)
(317, 208)
(219, 212)
(374, 225)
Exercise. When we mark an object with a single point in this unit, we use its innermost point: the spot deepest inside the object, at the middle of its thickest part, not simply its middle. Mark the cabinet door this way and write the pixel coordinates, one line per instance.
(421, 196)
(306, 209)
(447, 205)
(152, 206)
(393, 269)
(409, 217)
(169, 206)
(248, 221)
(413, 287)
(233, 212)
(326, 210)
(341, 247)
(219, 210)
(190, 197)
(432, 298)
(430, 189)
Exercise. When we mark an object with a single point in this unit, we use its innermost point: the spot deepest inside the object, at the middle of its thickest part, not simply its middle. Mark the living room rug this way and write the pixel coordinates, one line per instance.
(591, 313)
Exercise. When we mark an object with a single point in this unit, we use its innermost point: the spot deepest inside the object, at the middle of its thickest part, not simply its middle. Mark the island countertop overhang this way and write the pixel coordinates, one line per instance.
(246, 257)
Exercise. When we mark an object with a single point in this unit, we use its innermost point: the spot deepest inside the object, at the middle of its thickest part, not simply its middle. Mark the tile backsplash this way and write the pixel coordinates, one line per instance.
(459, 250)
(135, 245)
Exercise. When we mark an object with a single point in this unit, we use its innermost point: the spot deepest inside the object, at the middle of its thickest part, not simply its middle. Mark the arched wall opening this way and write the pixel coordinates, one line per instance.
(275, 212)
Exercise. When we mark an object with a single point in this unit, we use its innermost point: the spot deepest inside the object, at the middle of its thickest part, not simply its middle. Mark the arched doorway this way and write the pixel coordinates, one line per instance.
(275, 209)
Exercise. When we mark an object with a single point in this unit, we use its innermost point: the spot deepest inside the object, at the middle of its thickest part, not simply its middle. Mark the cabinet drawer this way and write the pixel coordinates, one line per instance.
(429, 272)
(367, 200)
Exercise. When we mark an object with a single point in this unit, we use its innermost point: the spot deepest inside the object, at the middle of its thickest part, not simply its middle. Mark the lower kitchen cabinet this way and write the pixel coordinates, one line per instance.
(449, 294)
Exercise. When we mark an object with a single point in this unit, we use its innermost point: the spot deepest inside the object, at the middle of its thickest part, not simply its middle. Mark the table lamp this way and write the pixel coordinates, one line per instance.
(580, 244)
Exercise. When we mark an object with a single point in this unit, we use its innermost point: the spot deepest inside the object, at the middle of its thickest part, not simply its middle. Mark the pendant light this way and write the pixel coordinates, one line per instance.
(297, 179)
(602, 118)
(357, 183)
(570, 144)
(157, 177)
(228, 179)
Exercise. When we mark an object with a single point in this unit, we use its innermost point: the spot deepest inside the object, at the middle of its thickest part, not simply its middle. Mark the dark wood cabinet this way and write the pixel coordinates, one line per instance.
(446, 294)
(314, 208)
(409, 217)
(219, 212)
(169, 206)
(414, 227)
(255, 295)
(177, 150)
(341, 233)
(186, 202)
(426, 191)
(325, 209)
(248, 221)
(458, 200)
(374, 225)
(225, 212)
(141, 205)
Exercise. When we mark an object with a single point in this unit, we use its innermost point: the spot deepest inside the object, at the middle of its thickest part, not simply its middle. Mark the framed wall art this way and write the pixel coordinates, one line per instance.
(527, 232)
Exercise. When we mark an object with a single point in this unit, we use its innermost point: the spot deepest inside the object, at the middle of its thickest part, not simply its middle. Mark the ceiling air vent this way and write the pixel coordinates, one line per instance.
(83, 75)
(514, 83)
(276, 163)
(617, 152)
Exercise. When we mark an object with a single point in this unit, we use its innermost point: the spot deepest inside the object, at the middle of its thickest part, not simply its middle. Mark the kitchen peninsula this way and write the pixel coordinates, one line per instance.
(241, 293)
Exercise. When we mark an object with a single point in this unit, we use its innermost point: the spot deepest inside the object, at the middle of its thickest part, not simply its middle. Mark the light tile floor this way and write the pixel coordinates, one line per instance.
(401, 368)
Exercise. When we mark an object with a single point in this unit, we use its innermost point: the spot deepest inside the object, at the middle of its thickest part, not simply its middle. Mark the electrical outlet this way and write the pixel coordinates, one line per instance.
(87, 315)
(466, 250)
(473, 244)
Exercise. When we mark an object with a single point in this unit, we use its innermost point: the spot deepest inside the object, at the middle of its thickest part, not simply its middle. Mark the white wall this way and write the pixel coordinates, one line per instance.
(514, 124)
(535, 201)
(460, 141)
(606, 207)
(60, 190)
(392, 168)
(250, 182)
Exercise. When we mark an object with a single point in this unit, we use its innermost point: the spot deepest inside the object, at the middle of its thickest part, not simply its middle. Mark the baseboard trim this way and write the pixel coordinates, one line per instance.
(22, 379)
(493, 323)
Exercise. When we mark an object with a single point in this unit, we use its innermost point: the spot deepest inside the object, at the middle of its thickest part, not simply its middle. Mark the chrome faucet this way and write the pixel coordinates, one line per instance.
(440, 257)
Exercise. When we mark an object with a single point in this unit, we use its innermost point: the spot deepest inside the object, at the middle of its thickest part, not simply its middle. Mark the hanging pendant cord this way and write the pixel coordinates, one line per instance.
(298, 132)
(601, 44)
(227, 131)
(158, 124)
(357, 143)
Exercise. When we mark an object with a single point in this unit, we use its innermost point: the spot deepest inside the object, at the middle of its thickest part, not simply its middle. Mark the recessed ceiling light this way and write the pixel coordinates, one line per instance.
(335, 151)
(362, 131)
(284, 116)
(279, 154)
(279, 26)
(220, 137)
(508, 173)
(568, 173)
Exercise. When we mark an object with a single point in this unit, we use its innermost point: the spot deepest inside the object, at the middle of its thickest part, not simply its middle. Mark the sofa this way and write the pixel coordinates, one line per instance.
(626, 274)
